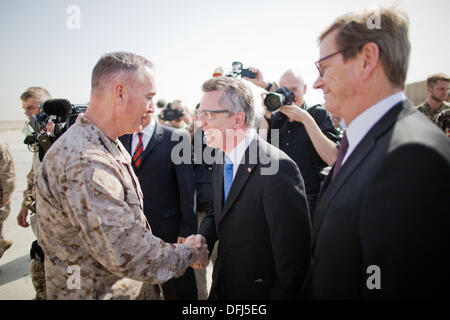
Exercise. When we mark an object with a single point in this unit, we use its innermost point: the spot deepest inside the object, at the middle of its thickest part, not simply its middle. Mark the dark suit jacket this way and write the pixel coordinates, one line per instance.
(386, 207)
(168, 188)
(264, 228)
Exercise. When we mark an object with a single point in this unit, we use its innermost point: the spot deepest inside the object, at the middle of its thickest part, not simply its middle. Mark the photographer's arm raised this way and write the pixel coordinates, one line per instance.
(326, 148)
(259, 80)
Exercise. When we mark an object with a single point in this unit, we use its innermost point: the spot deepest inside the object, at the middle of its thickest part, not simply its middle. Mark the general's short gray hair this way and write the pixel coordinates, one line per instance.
(111, 64)
(236, 96)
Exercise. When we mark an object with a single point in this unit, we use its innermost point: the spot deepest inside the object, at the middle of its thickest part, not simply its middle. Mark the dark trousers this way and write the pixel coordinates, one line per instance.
(182, 288)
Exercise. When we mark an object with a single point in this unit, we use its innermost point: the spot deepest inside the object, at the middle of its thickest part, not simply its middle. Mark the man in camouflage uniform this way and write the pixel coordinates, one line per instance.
(89, 202)
(7, 184)
(437, 90)
(31, 99)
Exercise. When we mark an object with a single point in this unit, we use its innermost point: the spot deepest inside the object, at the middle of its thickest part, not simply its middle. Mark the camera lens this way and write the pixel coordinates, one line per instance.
(273, 101)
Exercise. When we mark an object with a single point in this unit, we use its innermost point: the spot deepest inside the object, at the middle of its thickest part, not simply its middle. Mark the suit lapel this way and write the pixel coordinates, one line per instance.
(245, 170)
(332, 186)
(127, 142)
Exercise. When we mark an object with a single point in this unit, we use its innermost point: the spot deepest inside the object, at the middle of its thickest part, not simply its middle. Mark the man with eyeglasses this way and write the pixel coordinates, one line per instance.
(31, 99)
(260, 217)
(306, 133)
(381, 229)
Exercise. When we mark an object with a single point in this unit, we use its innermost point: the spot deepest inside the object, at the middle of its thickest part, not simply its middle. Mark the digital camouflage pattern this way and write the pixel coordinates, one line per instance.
(431, 113)
(443, 121)
(90, 216)
(7, 184)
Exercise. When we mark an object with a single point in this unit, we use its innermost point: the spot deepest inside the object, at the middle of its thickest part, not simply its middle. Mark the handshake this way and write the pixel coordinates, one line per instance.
(200, 249)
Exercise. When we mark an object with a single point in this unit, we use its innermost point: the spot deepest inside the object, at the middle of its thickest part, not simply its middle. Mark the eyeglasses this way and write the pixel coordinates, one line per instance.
(208, 114)
(317, 63)
(30, 108)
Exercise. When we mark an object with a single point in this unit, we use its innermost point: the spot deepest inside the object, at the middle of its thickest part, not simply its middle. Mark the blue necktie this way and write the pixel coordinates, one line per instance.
(227, 177)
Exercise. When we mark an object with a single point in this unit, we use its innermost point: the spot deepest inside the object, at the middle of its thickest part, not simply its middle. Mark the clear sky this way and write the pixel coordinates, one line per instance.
(187, 40)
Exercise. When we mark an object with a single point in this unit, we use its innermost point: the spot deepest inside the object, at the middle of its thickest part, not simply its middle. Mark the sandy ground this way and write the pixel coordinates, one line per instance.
(15, 281)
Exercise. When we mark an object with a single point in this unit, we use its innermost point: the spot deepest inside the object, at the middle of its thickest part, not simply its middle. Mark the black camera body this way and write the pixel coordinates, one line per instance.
(280, 97)
(237, 70)
(170, 114)
(62, 113)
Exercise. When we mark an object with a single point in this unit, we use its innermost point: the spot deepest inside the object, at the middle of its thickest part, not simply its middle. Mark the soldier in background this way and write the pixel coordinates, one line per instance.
(31, 99)
(7, 184)
(437, 90)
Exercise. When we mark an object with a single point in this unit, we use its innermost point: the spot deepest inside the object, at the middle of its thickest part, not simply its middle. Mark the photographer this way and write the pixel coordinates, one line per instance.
(31, 99)
(176, 115)
(306, 134)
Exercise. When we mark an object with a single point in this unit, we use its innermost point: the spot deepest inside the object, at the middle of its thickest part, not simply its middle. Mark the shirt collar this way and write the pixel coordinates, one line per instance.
(238, 152)
(149, 129)
(359, 127)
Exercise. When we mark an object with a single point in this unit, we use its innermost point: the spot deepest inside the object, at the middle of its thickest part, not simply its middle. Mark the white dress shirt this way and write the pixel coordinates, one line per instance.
(147, 133)
(365, 121)
(238, 152)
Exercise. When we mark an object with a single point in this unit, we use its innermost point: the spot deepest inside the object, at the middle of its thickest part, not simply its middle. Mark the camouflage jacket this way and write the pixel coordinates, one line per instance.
(429, 112)
(443, 121)
(89, 210)
(29, 194)
(7, 173)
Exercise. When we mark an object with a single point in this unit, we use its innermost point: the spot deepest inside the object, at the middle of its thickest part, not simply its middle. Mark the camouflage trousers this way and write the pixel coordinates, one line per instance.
(4, 212)
(37, 273)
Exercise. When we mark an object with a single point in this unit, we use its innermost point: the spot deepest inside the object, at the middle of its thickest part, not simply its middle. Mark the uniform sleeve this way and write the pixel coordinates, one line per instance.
(7, 174)
(103, 209)
(28, 193)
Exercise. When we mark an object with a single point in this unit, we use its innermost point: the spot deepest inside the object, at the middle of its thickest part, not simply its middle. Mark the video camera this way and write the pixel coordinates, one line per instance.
(62, 113)
(237, 70)
(280, 97)
(169, 114)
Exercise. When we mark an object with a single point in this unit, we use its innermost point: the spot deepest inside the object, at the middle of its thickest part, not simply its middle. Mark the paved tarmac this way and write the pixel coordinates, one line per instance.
(15, 281)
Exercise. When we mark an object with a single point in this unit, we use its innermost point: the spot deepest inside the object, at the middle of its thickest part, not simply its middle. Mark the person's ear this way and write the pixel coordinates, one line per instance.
(239, 120)
(119, 91)
(370, 55)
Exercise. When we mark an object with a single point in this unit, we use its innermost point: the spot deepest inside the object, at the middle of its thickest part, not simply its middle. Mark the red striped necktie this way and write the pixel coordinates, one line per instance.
(137, 155)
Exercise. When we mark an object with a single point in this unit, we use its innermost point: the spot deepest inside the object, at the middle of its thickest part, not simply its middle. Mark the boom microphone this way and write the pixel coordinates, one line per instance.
(57, 107)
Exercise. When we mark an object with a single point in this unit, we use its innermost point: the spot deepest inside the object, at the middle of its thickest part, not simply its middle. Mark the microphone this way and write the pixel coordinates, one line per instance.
(60, 108)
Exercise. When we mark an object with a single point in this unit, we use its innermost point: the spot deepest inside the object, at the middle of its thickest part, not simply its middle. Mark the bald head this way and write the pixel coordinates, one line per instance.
(292, 80)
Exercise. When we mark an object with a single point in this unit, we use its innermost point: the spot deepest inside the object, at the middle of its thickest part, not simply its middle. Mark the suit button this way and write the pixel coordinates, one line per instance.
(289, 131)
(287, 143)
